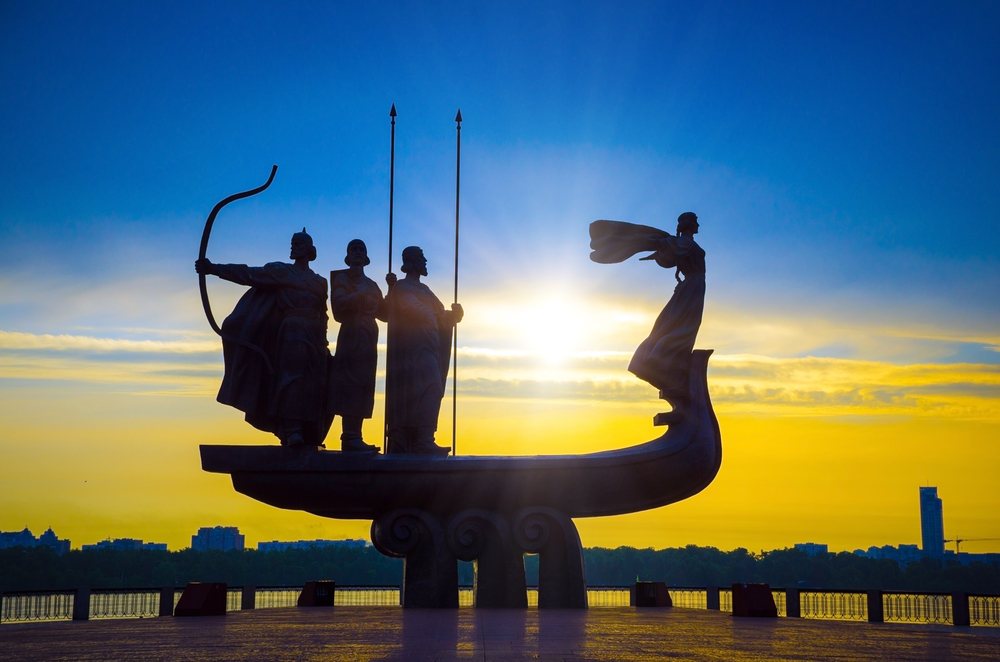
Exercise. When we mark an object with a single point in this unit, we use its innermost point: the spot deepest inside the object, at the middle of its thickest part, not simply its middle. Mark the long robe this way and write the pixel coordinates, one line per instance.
(284, 314)
(356, 302)
(417, 356)
(664, 358)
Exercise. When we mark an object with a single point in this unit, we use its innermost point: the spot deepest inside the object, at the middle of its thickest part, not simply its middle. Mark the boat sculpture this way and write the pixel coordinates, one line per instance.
(434, 511)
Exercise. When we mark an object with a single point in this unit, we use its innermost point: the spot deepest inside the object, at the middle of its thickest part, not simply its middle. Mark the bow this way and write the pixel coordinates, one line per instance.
(201, 277)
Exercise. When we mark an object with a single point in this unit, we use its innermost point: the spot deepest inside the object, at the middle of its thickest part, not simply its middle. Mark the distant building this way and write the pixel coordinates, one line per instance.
(901, 555)
(26, 539)
(127, 543)
(278, 546)
(931, 523)
(811, 548)
(219, 537)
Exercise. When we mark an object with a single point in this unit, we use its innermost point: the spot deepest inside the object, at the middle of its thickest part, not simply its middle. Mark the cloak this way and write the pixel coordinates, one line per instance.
(664, 358)
(284, 314)
(356, 302)
(418, 353)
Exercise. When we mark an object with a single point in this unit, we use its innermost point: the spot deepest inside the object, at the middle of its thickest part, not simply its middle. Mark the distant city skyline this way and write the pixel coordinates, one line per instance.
(126, 544)
(932, 538)
(279, 546)
(930, 510)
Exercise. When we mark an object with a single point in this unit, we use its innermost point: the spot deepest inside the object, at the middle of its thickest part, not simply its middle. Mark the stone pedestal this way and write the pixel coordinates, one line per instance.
(433, 511)
(430, 569)
(431, 546)
(553, 536)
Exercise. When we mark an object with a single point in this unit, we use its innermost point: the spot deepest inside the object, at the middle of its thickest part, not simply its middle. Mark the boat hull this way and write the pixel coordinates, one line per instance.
(677, 465)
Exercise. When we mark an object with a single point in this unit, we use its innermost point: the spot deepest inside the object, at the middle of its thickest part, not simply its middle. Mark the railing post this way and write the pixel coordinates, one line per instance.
(249, 598)
(875, 612)
(167, 601)
(712, 597)
(960, 609)
(792, 605)
(81, 604)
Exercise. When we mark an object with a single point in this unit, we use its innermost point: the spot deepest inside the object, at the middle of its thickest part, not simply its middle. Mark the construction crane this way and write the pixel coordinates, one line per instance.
(959, 541)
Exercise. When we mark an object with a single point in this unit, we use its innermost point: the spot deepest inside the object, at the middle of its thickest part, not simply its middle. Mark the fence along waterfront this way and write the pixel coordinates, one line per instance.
(897, 606)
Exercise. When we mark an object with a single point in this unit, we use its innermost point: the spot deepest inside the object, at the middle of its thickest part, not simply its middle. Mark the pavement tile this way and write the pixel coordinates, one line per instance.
(390, 633)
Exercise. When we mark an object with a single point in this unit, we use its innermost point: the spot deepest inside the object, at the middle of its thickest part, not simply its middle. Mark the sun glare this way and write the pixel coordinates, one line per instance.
(551, 326)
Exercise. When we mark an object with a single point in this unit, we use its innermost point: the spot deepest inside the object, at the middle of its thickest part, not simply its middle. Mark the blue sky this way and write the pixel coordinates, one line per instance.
(843, 158)
(854, 146)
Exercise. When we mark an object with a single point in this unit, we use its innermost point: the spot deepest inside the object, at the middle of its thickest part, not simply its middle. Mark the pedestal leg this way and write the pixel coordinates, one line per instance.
(484, 537)
(553, 536)
(430, 570)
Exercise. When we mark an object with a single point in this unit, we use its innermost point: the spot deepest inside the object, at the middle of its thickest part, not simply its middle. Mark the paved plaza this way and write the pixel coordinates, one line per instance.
(390, 633)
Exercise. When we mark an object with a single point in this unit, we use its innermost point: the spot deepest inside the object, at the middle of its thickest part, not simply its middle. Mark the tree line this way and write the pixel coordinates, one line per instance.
(40, 568)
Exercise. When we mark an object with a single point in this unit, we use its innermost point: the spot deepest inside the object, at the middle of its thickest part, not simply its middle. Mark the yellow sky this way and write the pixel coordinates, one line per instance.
(102, 435)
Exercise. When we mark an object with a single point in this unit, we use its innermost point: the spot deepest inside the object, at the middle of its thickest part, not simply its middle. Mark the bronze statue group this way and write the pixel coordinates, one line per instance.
(280, 373)
(296, 393)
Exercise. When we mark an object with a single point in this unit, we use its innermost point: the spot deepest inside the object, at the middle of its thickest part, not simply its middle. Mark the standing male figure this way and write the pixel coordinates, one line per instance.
(356, 302)
(418, 354)
(284, 315)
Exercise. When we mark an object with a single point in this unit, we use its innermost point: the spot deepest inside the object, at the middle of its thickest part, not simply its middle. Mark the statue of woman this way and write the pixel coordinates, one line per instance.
(664, 358)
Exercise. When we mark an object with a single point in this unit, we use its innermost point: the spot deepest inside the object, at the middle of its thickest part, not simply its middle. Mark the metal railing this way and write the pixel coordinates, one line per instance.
(688, 598)
(234, 598)
(984, 610)
(779, 602)
(609, 596)
(833, 605)
(270, 597)
(21, 606)
(917, 608)
(124, 602)
(886, 606)
(372, 596)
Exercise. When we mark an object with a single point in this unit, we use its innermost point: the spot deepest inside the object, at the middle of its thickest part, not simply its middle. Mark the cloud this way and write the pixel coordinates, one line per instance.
(739, 383)
(12, 340)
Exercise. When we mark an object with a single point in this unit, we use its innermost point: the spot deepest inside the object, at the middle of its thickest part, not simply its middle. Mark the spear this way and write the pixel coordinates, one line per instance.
(454, 375)
(392, 172)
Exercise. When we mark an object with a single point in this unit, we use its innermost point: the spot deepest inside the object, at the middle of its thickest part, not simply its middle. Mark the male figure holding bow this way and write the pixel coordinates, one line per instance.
(284, 314)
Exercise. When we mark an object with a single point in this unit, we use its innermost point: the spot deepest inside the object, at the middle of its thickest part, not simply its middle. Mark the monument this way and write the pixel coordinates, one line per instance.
(433, 510)
(357, 302)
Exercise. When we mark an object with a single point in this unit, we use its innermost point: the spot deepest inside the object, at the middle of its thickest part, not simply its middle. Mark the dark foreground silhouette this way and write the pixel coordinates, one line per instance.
(40, 568)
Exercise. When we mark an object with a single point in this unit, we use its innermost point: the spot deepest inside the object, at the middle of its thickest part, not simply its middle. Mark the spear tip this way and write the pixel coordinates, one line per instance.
(392, 111)
(458, 117)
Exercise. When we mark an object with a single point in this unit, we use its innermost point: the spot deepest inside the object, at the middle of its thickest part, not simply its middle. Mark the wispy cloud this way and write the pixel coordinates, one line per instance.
(739, 383)
(12, 340)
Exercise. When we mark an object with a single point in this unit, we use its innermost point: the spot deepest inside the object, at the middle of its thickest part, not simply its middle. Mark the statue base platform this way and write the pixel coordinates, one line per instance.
(433, 511)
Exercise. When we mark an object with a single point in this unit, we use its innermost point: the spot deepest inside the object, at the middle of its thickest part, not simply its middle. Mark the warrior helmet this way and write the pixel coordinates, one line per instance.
(305, 239)
(364, 248)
